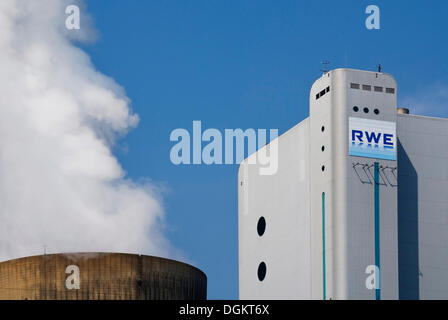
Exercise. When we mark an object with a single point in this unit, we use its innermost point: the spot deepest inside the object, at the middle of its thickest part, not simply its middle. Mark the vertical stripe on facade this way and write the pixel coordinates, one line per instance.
(377, 230)
(323, 247)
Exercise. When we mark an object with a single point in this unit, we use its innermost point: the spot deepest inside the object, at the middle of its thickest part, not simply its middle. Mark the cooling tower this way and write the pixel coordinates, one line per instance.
(100, 276)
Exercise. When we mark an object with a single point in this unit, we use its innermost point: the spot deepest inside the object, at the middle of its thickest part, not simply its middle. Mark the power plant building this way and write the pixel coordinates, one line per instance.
(358, 208)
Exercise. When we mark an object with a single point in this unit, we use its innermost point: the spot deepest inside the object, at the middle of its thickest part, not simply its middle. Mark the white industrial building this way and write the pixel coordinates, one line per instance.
(358, 208)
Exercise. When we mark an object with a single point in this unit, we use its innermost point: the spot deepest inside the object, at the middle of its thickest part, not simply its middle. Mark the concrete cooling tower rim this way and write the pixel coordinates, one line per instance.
(100, 276)
(93, 255)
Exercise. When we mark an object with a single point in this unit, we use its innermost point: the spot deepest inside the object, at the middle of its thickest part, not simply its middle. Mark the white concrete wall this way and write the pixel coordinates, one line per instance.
(349, 207)
(283, 200)
(322, 134)
(360, 246)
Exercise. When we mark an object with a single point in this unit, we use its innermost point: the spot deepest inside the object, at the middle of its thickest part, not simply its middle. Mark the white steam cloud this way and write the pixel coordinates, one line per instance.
(60, 184)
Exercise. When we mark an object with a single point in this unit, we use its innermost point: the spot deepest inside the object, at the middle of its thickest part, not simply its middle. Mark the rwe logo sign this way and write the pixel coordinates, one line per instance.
(372, 139)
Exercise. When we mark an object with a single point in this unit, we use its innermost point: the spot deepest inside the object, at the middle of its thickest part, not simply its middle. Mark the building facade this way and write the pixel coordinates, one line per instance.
(358, 208)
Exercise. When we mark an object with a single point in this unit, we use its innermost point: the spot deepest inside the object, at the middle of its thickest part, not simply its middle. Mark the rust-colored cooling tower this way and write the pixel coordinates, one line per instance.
(100, 276)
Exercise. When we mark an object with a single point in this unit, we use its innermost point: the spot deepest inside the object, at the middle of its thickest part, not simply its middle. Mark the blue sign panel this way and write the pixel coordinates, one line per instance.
(372, 139)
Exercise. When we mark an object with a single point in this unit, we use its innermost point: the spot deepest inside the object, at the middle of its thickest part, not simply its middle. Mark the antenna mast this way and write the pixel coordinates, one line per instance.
(324, 66)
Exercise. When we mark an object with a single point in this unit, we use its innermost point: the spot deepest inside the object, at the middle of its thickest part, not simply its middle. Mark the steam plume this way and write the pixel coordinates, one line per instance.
(60, 184)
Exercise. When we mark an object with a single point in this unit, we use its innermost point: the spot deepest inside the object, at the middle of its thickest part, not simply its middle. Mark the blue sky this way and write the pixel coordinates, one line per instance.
(246, 64)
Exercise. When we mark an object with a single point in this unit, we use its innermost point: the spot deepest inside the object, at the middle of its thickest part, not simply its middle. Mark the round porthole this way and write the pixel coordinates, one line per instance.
(376, 111)
(323, 168)
(322, 129)
(366, 110)
(323, 148)
(261, 226)
(355, 108)
(261, 271)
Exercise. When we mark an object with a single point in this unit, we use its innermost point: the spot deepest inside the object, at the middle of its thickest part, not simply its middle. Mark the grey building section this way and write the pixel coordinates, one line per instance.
(423, 207)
